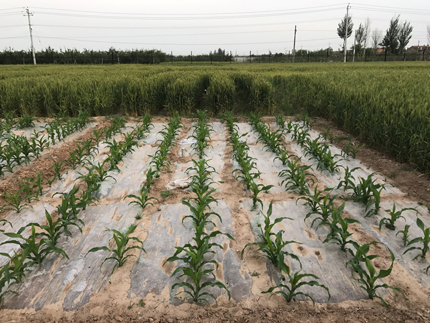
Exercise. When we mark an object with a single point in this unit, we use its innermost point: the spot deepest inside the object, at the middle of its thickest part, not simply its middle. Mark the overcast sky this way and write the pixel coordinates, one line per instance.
(200, 26)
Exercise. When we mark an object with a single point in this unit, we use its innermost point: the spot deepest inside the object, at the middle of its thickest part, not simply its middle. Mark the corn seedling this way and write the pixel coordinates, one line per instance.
(367, 275)
(294, 283)
(296, 178)
(121, 241)
(324, 210)
(256, 189)
(394, 216)
(143, 199)
(53, 230)
(100, 172)
(150, 179)
(15, 201)
(339, 229)
(425, 240)
(350, 150)
(194, 268)
(57, 169)
(26, 121)
(38, 251)
(405, 235)
(348, 180)
(273, 248)
(313, 201)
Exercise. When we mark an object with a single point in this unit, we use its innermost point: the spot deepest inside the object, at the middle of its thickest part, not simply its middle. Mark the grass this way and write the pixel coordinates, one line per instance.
(165, 194)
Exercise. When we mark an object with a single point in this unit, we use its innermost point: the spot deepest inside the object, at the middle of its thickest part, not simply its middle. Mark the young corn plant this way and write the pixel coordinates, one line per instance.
(348, 180)
(394, 216)
(339, 233)
(100, 171)
(296, 178)
(257, 189)
(425, 240)
(142, 200)
(38, 250)
(289, 289)
(53, 230)
(366, 275)
(15, 201)
(273, 248)
(324, 210)
(121, 248)
(150, 179)
(26, 121)
(313, 201)
(88, 196)
(350, 150)
(195, 267)
(404, 234)
(57, 168)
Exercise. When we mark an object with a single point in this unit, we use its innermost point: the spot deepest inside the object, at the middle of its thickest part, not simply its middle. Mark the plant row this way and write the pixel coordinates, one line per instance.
(36, 247)
(248, 171)
(158, 162)
(195, 259)
(368, 192)
(18, 150)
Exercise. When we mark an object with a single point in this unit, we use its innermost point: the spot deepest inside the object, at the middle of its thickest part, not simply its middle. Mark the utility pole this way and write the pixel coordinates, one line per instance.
(294, 45)
(28, 14)
(346, 32)
(191, 57)
(353, 49)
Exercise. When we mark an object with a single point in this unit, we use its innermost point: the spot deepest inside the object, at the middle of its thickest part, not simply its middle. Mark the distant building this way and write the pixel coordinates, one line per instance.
(419, 49)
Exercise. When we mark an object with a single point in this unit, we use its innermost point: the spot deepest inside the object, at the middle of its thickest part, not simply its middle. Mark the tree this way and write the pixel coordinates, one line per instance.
(405, 35)
(359, 39)
(376, 39)
(345, 27)
(428, 33)
(391, 38)
(366, 31)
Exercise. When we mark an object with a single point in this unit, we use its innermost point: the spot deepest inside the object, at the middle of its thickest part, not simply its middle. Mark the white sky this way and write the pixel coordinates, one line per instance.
(200, 26)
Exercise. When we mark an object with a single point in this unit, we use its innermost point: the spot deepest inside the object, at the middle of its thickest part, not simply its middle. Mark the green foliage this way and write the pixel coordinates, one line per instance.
(324, 208)
(339, 233)
(100, 171)
(273, 248)
(405, 235)
(296, 177)
(424, 240)
(165, 194)
(294, 283)
(193, 257)
(37, 250)
(367, 275)
(15, 201)
(121, 248)
(143, 199)
(394, 216)
(26, 121)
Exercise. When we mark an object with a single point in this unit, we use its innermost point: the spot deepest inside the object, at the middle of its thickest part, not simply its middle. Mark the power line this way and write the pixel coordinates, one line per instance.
(198, 14)
(188, 27)
(200, 34)
(356, 5)
(170, 18)
(181, 44)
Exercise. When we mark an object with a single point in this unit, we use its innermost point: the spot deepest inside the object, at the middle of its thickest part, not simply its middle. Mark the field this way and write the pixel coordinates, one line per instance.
(221, 187)
(180, 211)
(386, 105)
